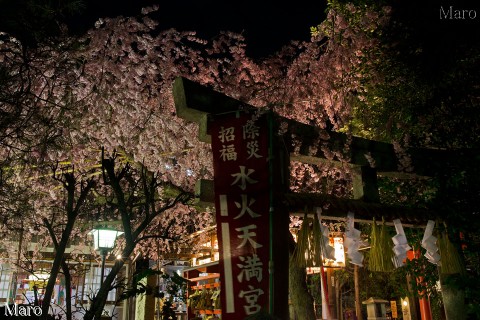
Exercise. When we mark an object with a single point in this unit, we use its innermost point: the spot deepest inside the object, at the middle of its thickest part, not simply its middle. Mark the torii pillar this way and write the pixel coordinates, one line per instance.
(250, 181)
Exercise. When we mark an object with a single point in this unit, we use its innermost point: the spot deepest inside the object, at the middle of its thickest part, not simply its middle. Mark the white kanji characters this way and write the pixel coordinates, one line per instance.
(245, 207)
(250, 131)
(247, 236)
(252, 268)
(252, 149)
(243, 178)
(251, 298)
(226, 134)
(228, 153)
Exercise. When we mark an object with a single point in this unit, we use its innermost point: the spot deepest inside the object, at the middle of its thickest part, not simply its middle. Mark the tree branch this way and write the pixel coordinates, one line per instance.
(183, 197)
(108, 166)
(155, 237)
(49, 227)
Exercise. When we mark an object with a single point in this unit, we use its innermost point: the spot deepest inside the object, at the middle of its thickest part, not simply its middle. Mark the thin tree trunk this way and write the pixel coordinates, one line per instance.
(132, 236)
(98, 302)
(358, 303)
(72, 209)
(337, 299)
(68, 288)
(17, 271)
(57, 263)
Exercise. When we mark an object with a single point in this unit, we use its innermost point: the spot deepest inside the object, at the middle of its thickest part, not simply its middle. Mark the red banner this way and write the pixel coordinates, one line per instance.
(240, 153)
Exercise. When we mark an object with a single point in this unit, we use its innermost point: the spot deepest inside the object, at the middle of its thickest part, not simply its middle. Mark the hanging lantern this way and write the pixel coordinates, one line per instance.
(104, 238)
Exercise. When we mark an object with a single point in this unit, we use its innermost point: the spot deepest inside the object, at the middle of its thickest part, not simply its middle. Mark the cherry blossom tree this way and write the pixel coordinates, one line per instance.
(61, 228)
(140, 197)
(80, 98)
(62, 102)
(152, 212)
(114, 90)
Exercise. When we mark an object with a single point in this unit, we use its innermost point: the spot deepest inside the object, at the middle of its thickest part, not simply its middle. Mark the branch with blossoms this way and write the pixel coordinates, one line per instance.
(183, 198)
(35, 97)
(73, 206)
(138, 197)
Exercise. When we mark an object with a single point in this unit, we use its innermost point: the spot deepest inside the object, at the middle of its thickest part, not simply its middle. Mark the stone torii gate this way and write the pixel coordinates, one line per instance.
(198, 104)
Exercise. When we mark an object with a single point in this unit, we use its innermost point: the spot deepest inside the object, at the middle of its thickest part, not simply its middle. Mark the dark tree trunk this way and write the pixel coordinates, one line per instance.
(72, 209)
(68, 290)
(57, 263)
(301, 299)
(98, 302)
(132, 235)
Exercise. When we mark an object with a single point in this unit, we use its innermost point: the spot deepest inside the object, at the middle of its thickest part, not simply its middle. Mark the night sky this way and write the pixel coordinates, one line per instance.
(267, 25)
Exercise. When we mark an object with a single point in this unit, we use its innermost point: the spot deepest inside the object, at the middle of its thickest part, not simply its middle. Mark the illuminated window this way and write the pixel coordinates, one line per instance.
(92, 284)
(5, 278)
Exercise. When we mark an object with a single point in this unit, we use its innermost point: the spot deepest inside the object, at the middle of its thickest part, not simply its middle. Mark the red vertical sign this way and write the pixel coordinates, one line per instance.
(240, 153)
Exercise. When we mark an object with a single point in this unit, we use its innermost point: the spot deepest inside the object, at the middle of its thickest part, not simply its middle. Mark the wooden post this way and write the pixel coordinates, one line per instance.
(365, 187)
(415, 308)
(358, 304)
(425, 310)
(423, 303)
(332, 303)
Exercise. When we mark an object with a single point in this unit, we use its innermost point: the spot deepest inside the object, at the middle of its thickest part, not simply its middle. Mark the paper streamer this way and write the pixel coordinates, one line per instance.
(352, 241)
(400, 244)
(328, 251)
(429, 243)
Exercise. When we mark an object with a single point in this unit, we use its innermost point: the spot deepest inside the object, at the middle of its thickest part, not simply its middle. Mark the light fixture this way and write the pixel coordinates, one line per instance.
(42, 276)
(104, 238)
(104, 241)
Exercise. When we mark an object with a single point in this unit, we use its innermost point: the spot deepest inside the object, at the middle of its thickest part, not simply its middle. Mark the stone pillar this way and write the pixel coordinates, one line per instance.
(145, 304)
